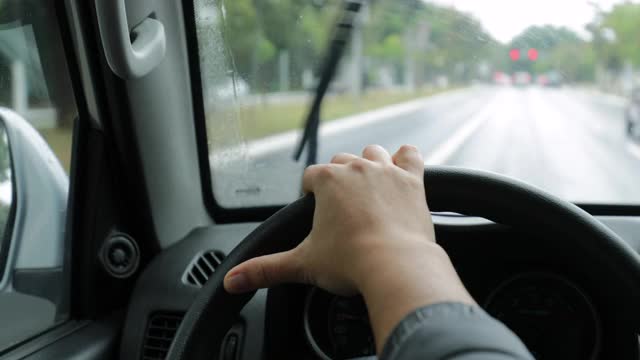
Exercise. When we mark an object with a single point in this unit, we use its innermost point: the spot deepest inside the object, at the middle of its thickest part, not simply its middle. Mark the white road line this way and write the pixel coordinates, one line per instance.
(634, 149)
(445, 150)
(288, 139)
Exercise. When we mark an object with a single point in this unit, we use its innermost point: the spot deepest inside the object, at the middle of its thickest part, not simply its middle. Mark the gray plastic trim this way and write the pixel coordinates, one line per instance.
(134, 54)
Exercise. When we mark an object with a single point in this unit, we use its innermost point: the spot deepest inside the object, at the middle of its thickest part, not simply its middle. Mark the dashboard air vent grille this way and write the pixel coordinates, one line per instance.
(161, 329)
(202, 267)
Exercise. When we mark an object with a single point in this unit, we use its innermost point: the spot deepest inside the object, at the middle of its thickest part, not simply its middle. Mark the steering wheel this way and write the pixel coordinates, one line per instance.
(470, 192)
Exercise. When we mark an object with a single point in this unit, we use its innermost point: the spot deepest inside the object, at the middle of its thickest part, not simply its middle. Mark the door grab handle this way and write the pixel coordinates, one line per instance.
(134, 54)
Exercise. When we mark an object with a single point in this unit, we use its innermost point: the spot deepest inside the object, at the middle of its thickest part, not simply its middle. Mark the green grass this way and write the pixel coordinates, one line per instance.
(258, 121)
(263, 120)
(59, 139)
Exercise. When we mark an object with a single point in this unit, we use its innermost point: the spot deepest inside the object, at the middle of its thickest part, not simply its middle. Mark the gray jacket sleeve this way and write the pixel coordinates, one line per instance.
(452, 331)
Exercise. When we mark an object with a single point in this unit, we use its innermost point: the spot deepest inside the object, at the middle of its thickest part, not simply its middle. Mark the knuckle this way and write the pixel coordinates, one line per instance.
(326, 172)
(308, 171)
(359, 165)
(393, 170)
(372, 148)
(318, 171)
(408, 149)
(337, 157)
(369, 147)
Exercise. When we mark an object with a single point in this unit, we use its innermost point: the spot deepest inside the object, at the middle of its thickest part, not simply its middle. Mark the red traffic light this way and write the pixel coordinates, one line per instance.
(514, 54)
(532, 54)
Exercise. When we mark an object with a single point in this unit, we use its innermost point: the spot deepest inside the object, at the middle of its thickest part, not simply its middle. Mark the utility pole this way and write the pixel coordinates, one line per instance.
(416, 43)
(409, 62)
(283, 70)
(356, 62)
(422, 41)
(357, 51)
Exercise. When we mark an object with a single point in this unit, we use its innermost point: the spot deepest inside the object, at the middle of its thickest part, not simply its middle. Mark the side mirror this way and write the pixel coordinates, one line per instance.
(33, 204)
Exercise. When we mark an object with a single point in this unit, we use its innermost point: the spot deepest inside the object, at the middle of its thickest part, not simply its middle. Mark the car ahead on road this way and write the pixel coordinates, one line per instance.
(500, 78)
(542, 80)
(632, 115)
(521, 79)
(556, 79)
(127, 190)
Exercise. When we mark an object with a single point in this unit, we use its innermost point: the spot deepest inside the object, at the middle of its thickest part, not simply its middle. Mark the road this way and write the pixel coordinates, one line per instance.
(570, 142)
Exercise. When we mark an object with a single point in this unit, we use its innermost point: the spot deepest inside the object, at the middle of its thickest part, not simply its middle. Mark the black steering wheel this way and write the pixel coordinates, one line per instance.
(470, 192)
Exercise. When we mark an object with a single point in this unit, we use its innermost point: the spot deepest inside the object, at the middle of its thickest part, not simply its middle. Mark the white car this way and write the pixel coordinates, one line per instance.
(521, 78)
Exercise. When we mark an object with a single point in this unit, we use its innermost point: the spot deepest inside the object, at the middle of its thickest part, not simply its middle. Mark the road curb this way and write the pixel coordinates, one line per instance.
(288, 139)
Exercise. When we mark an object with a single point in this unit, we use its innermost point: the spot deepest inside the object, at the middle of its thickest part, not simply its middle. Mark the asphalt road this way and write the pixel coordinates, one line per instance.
(570, 142)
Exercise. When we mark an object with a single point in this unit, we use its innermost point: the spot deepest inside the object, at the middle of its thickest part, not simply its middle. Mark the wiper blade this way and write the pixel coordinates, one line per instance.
(330, 66)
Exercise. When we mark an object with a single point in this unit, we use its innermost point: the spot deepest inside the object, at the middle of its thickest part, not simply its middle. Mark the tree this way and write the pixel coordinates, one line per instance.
(257, 31)
(575, 61)
(623, 44)
(544, 37)
(240, 25)
(559, 49)
(456, 40)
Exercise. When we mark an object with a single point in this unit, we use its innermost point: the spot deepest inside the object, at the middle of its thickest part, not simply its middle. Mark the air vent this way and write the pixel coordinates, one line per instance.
(161, 329)
(202, 267)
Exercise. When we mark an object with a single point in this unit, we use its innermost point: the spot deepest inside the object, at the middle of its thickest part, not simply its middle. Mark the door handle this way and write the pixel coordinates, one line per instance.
(130, 54)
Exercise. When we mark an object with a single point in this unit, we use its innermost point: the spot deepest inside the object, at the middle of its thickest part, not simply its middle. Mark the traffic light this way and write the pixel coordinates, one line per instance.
(514, 54)
(532, 54)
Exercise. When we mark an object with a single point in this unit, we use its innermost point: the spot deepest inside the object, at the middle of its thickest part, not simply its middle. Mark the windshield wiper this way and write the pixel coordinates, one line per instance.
(329, 68)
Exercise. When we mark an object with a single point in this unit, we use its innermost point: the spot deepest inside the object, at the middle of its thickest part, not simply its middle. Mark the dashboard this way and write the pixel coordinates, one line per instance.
(549, 301)
(549, 313)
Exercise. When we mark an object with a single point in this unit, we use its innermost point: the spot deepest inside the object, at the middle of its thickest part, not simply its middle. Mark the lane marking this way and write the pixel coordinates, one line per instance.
(288, 139)
(449, 147)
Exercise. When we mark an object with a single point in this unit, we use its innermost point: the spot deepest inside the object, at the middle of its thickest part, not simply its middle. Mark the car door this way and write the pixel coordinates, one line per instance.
(75, 219)
(36, 103)
(135, 185)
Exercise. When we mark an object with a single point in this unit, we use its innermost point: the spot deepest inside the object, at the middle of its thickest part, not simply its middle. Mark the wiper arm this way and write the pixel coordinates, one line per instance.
(330, 66)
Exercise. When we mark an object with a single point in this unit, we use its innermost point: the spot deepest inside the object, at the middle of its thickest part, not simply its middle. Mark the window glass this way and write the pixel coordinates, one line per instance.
(256, 86)
(34, 83)
(541, 90)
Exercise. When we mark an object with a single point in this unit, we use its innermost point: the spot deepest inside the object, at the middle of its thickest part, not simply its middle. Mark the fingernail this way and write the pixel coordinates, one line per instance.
(237, 283)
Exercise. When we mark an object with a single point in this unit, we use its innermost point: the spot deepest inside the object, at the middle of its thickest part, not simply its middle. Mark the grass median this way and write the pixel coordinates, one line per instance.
(258, 121)
(261, 120)
(59, 139)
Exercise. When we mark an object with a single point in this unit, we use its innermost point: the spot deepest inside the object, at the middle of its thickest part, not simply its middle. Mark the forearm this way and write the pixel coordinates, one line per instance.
(452, 331)
(398, 282)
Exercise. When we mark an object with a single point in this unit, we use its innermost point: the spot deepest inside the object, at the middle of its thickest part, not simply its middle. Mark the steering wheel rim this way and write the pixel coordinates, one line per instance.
(470, 192)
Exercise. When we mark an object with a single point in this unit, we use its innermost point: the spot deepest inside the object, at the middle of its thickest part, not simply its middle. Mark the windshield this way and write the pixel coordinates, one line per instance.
(540, 90)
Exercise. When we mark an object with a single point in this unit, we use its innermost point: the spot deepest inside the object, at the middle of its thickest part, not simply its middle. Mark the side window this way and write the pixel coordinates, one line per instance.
(37, 111)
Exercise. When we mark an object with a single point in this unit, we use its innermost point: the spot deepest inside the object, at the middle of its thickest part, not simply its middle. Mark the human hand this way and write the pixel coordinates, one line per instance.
(372, 234)
(368, 211)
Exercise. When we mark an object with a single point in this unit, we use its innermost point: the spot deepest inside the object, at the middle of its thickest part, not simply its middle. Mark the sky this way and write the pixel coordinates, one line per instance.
(505, 19)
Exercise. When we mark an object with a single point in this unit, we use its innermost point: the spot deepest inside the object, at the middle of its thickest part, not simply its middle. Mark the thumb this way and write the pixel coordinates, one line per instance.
(264, 271)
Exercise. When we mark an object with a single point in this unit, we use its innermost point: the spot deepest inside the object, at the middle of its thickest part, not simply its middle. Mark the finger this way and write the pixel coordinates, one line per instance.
(316, 175)
(377, 153)
(343, 158)
(263, 272)
(409, 158)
